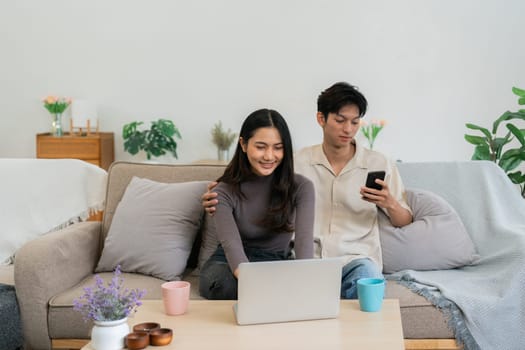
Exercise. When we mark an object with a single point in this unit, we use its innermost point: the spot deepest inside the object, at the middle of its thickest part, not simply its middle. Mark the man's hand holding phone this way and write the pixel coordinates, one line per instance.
(372, 177)
(375, 189)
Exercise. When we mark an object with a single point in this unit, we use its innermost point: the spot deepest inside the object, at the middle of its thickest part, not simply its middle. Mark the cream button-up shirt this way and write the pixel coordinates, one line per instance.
(345, 225)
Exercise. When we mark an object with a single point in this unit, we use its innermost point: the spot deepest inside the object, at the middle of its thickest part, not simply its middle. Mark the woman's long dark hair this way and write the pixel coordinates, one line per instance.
(283, 183)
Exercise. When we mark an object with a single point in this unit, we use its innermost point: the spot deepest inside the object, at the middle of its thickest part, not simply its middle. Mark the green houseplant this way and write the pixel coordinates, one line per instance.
(156, 141)
(498, 149)
(222, 139)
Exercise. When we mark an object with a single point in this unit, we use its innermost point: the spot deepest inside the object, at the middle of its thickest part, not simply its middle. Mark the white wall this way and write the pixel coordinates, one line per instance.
(428, 67)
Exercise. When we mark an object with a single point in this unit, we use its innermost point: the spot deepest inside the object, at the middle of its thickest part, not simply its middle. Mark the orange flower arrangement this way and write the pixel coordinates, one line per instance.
(56, 105)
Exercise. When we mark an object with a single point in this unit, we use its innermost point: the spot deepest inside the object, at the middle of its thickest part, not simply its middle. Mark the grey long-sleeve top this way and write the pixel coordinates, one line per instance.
(237, 219)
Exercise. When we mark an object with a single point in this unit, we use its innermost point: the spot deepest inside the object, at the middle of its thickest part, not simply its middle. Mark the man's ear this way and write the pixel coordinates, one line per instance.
(321, 120)
(242, 144)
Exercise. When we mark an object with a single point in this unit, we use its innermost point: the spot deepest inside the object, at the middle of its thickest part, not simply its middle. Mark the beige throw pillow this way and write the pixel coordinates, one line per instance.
(153, 228)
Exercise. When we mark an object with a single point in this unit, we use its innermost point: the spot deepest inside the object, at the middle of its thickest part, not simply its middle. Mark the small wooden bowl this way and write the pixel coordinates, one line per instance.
(160, 337)
(137, 340)
(146, 327)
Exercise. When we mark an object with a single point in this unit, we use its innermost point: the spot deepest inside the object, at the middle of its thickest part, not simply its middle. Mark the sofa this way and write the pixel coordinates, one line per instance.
(52, 270)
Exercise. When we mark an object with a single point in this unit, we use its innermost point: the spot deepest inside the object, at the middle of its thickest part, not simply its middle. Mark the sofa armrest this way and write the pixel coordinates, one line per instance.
(47, 266)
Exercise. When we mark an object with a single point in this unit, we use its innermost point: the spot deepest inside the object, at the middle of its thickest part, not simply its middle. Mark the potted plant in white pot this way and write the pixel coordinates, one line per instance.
(108, 306)
(156, 141)
(223, 140)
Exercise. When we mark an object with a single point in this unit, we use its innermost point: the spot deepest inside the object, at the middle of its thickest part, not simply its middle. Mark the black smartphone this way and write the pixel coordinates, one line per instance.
(371, 179)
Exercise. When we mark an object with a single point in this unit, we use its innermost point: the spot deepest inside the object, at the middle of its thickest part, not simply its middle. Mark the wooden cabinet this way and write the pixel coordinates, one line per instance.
(96, 148)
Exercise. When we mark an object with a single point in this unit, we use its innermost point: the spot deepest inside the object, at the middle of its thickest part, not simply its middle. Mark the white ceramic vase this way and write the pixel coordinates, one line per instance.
(223, 154)
(109, 335)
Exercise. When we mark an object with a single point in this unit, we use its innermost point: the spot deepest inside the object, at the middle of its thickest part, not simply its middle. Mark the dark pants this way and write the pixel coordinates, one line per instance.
(217, 281)
(11, 326)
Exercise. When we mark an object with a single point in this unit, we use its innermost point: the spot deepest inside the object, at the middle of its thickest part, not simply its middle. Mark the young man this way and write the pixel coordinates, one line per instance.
(346, 211)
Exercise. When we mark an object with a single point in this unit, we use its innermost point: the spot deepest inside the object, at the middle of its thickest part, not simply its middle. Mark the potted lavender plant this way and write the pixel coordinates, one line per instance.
(108, 307)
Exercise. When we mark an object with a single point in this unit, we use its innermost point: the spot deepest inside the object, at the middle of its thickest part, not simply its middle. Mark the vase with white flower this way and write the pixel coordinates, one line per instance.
(56, 106)
(372, 130)
(108, 307)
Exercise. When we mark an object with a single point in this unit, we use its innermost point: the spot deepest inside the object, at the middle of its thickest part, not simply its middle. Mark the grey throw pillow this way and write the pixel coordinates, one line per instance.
(153, 228)
(435, 240)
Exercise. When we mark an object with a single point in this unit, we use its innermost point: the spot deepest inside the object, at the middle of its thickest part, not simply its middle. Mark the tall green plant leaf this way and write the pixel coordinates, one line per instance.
(482, 152)
(517, 177)
(512, 158)
(506, 117)
(519, 92)
(517, 132)
(498, 143)
(476, 140)
(483, 130)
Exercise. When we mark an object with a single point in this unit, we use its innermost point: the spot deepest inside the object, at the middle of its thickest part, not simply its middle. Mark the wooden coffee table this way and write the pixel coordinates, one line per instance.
(211, 325)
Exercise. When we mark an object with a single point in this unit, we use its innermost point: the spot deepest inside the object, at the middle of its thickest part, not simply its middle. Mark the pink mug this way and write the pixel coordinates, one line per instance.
(176, 297)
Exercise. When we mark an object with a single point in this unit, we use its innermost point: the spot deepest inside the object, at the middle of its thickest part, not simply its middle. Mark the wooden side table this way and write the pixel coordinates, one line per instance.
(95, 148)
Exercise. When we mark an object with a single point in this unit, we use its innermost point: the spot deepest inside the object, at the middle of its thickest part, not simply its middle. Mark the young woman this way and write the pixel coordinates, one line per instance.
(262, 204)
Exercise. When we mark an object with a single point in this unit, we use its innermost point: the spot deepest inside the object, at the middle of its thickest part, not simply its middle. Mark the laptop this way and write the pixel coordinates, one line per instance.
(288, 290)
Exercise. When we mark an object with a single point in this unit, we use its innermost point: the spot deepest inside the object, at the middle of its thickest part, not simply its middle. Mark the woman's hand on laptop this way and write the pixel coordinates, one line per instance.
(209, 199)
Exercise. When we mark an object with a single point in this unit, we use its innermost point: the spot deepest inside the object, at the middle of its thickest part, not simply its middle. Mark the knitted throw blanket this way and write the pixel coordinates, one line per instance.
(42, 195)
(484, 303)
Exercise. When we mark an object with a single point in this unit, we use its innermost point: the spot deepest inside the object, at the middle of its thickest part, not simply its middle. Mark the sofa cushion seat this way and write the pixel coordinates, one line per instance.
(420, 319)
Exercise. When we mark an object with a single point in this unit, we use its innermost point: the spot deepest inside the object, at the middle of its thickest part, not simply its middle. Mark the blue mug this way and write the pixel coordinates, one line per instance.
(370, 292)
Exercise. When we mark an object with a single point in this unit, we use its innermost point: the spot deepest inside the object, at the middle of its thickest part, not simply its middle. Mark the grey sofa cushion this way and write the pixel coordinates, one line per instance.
(153, 228)
(435, 240)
